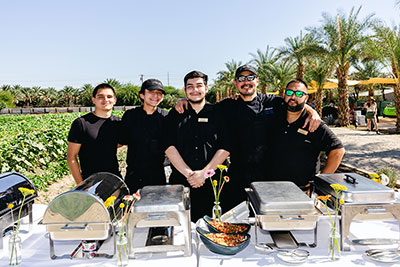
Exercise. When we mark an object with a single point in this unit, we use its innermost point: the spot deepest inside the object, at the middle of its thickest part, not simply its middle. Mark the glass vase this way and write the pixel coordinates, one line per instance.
(15, 249)
(216, 211)
(122, 249)
(334, 244)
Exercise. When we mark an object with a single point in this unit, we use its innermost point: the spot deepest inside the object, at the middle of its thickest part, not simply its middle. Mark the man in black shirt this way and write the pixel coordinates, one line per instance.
(295, 151)
(142, 129)
(196, 142)
(94, 137)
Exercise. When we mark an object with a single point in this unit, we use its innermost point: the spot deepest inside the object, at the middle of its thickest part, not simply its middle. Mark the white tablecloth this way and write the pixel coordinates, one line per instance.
(35, 248)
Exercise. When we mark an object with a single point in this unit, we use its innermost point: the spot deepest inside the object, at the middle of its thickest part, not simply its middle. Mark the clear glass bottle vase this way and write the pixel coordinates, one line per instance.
(216, 211)
(334, 244)
(14, 249)
(122, 249)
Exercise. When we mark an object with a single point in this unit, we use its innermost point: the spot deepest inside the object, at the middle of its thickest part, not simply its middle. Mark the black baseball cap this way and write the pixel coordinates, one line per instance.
(245, 68)
(152, 84)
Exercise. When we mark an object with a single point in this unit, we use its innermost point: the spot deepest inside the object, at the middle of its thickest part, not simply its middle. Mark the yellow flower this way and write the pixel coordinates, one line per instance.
(25, 191)
(122, 205)
(327, 197)
(215, 183)
(221, 167)
(376, 180)
(109, 201)
(10, 206)
(341, 201)
(373, 175)
(339, 187)
(22, 144)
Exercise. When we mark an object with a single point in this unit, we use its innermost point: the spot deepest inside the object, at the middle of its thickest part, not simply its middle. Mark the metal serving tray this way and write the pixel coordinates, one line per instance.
(161, 198)
(283, 198)
(360, 190)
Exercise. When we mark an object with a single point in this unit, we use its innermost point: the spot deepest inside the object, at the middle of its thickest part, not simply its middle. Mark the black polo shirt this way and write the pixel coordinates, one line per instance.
(99, 141)
(197, 137)
(295, 151)
(250, 125)
(143, 135)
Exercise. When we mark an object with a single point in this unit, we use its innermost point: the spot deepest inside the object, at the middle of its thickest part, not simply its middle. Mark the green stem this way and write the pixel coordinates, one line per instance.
(16, 232)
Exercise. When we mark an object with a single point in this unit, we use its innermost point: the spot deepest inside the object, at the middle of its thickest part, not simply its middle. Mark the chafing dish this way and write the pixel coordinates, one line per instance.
(81, 215)
(363, 198)
(161, 206)
(9, 194)
(281, 207)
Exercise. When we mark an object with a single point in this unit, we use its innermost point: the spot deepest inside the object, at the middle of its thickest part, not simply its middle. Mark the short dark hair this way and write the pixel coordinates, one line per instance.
(297, 81)
(102, 86)
(195, 74)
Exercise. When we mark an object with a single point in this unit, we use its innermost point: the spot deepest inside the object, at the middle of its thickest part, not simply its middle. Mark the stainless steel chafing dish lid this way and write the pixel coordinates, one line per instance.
(162, 198)
(86, 203)
(360, 190)
(281, 198)
(9, 193)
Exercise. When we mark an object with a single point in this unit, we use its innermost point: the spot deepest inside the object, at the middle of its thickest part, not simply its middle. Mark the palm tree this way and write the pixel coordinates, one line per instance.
(262, 60)
(343, 38)
(36, 95)
(280, 74)
(113, 82)
(320, 69)
(86, 94)
(225, 78)
(68, 94)
(386, 47)
(297, 49)
(368, 68)
(26, 94)
(48, 95)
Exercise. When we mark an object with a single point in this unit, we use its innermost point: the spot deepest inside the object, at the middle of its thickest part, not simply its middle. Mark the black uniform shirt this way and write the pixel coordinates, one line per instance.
(197, 136)
(99, 139)
(295, 154)
(143, 135)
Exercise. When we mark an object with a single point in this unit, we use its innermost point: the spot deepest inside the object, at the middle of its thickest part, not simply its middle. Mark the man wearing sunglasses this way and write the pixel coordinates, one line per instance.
(295, 150)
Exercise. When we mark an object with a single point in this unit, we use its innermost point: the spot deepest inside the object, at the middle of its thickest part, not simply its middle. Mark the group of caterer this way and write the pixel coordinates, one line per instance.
(266, 137)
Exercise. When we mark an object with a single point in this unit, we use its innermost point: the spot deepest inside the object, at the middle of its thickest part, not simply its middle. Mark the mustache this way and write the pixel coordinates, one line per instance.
(249, 85)
(293, 100)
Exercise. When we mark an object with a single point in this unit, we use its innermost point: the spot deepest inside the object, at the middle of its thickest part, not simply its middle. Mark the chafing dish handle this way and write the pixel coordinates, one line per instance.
(350, 179)
(67, 227)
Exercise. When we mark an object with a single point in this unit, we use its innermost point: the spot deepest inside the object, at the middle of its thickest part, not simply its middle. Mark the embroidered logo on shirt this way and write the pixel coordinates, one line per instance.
(268, 111)
(202, 120)
(301, 131)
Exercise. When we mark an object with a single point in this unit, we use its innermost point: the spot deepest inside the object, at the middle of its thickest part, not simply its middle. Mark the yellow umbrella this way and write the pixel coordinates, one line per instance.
(379, 80)
(313, 86)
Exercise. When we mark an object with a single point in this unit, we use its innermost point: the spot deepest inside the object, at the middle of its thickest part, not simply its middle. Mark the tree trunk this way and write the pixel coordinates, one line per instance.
(300, 71)
(318, 101)
(343, 95)
(264, 89)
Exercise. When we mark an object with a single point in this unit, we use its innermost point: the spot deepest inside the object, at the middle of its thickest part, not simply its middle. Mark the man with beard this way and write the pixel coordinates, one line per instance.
(142, 130)
(195, 143)
(295, 150)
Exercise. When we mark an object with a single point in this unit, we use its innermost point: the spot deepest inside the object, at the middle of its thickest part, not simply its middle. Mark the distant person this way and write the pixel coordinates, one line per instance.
(94, 137)
(372, 111)
(196, 142)
(142, 129)
(295, 150)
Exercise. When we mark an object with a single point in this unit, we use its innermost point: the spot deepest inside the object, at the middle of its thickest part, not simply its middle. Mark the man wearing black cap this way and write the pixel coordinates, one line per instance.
(142, 129)
(195, 143)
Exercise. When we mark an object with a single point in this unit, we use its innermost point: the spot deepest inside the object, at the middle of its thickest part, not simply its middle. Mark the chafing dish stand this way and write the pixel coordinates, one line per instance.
(161, 206)
(9, 194)
(281, 207)
(81, 215)
(364, 197)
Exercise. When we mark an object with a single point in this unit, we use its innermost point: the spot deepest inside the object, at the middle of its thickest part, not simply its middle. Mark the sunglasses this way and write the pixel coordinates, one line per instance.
(250, 78)
(297, 93)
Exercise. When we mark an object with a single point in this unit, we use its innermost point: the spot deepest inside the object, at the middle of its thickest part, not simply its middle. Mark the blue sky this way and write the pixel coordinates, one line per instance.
(53, 43)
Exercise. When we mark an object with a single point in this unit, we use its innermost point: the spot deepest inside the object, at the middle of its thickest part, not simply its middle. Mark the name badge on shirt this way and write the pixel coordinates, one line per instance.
(301, 131)
(202, 120)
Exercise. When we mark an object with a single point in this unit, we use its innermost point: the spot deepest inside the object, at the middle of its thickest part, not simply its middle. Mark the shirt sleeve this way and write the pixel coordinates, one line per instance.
(329, 140)
(75, 134)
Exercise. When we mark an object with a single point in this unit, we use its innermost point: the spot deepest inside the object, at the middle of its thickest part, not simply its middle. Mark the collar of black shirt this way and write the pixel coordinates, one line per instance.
(300, 121)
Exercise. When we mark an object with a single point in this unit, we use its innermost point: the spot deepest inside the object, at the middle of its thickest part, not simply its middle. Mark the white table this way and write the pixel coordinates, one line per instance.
(35, 248)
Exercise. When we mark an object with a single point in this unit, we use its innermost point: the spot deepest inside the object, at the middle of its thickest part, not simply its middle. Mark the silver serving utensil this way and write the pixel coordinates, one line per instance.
(301, 253)
(264, 247)
(375, 241)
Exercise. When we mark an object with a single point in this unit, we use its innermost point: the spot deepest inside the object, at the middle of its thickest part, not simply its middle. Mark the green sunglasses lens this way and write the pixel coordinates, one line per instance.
(289, 92)
(299, 94)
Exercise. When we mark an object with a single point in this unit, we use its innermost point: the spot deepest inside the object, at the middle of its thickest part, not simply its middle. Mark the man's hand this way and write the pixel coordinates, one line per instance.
(313, 120)
(197, 179)
(181, 105)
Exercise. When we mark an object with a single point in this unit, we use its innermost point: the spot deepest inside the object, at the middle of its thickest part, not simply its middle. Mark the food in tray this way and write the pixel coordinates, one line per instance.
(226, 239)
(226, 227)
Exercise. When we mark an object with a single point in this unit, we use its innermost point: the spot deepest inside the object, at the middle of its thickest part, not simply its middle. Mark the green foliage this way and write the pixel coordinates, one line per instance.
(6, 98)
